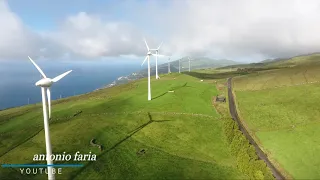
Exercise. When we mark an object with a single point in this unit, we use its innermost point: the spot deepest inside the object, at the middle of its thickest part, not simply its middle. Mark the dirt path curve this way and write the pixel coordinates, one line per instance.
(260, 153)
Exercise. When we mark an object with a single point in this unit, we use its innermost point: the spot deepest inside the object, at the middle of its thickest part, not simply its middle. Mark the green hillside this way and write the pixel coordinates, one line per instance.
(179, 132)
(309, 59)
(280, 107)
(195, 64)
(201, 63)
(277, 102)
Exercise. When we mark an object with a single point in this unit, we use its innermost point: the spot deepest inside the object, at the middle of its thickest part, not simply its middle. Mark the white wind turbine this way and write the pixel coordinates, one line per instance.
(45, 84)
(179, 65)
(169, 71)
(189, 63)
(148, 57)
(157, 52)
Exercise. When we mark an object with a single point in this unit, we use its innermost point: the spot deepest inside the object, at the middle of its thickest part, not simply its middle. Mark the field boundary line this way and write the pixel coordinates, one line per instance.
(144, 112)
(280, 86)
(22, 142)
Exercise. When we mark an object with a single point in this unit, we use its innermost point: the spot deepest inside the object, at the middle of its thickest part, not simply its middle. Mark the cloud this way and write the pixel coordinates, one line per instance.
(91, 37)
(18, 41)
(236, 29)
(15, 39)
(248, 28)
(82, 35)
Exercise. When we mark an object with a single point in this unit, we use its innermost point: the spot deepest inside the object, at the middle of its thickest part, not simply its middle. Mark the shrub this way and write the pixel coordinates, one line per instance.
(258, 175)
(245, 154)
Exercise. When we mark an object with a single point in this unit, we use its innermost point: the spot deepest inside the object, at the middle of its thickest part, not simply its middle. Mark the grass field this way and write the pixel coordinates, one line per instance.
(280, 107)
(180, 132)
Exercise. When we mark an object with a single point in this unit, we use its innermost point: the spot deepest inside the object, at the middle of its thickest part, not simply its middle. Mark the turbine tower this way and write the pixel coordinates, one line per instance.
(45, 84)
(148, 57)
(169, 71)
(157, 52)
(179, 65)
(189, 63)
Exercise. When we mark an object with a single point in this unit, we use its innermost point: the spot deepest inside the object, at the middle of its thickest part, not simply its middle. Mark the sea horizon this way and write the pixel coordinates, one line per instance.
(18, 78)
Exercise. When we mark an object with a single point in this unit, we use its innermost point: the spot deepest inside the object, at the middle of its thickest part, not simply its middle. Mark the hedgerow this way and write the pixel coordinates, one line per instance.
(245, 154)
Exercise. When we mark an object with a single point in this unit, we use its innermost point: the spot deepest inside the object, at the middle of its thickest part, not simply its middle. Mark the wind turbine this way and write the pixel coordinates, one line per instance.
(45, 84)
(189, 63)
(169, 71)
(179, 65)
(148, 57)
(157, 52)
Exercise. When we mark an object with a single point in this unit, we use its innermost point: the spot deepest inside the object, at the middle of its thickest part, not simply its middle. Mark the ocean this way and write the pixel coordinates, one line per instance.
(18, 78)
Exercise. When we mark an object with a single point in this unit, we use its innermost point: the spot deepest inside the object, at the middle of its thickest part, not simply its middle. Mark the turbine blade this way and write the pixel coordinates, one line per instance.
(144, 60)
(146, 44)
(49, 101)
(41, 72)
(61, 76)
(160, 45)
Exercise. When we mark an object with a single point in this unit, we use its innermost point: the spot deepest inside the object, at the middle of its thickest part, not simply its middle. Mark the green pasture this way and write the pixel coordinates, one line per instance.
(281, 109)
(180, 132)
(293, 76)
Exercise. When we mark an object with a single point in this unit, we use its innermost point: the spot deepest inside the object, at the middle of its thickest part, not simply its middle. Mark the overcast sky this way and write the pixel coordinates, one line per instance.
(241, 30)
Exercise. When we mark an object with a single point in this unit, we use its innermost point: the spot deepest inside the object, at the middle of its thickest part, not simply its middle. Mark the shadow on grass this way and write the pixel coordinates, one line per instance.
(131, 133)
(179, 87)
(146, 124)
(160, 95)
(245, 70)
(214, 75)
(172, 89)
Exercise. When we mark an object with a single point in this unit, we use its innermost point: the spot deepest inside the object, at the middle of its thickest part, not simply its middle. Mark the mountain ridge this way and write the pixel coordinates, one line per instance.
(195, 63)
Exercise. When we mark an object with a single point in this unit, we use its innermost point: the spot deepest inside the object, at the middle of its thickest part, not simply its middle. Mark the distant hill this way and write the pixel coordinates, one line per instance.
(288, 58)
(306, 59)
(195, 63)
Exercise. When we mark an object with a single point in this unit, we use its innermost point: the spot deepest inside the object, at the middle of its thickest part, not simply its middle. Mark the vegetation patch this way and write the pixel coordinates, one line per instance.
(247, 160)
(280, 108)
(180, 132)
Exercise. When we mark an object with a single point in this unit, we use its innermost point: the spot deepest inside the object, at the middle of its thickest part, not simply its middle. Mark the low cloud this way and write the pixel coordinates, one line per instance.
(15, 39)
(18, 41)
(247, 30)
(88, 36)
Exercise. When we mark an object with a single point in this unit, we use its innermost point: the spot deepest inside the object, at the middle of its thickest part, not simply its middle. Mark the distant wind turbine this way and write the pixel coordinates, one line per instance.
(157, 52)
(148, 57)
(45, 84)
(179, 65)
(189, 63)
(169, 71)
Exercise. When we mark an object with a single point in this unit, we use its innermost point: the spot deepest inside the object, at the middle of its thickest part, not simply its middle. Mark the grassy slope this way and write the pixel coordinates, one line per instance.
(177, 145)
(281, 109)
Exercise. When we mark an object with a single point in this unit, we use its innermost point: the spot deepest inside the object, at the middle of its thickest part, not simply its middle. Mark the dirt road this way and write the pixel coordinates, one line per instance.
(260, 153)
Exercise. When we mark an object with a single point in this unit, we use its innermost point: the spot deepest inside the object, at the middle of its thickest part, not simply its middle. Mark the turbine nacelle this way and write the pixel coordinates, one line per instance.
(45, 82)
